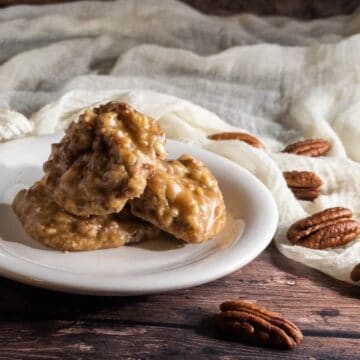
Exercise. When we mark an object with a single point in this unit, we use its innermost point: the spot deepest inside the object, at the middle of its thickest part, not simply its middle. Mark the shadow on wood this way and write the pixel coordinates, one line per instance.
(300, 270)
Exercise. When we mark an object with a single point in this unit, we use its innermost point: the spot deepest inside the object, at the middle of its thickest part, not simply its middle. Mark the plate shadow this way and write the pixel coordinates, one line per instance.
(12, 230)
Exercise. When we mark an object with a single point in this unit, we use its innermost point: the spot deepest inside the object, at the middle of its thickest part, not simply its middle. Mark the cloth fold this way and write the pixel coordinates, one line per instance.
(88, 52)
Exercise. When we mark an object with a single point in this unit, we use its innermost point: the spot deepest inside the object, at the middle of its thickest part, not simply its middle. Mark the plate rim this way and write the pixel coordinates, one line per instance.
(18, 269)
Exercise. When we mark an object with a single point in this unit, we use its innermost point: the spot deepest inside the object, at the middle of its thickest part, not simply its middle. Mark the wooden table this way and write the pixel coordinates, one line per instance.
(38, 324)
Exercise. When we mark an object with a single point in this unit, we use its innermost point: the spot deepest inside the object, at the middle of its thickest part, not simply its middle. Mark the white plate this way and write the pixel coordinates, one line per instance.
(147, 268)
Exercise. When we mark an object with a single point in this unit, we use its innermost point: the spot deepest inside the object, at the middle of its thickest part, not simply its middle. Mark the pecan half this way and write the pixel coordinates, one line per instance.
(329, 228)
(311, 147)
(248, 138)
(257, 325)
(355, 273)
(306, 194)
(304, 184)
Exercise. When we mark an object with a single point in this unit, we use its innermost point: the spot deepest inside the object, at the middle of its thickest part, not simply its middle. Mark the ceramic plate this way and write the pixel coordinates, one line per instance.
(153, 266)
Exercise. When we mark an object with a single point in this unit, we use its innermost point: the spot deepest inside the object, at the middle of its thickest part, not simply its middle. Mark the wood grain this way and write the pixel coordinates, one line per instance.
(163, 325)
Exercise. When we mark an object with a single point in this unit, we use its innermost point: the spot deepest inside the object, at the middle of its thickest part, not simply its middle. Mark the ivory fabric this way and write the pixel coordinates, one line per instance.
(279, 79)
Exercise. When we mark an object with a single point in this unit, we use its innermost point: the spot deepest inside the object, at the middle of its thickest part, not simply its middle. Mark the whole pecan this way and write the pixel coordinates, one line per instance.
(248, 138)
(304, 184)
(329, 228)
(311, 147)
(257, 325)
(355, 273)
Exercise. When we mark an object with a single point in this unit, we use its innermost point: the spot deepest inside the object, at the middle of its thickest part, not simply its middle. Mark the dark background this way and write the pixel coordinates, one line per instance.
(306, 9)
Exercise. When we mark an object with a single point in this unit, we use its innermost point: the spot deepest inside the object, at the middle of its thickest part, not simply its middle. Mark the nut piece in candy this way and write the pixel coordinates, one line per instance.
(256, 325)
(355, 273)
(104, 160)
(329, 228)
(304, 184)
(183, 198)
(245, 137)
(311, 147)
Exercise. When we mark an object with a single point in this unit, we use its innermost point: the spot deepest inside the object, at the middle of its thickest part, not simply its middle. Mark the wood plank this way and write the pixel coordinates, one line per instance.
(312, 300)
(32, 2)
(70, 339)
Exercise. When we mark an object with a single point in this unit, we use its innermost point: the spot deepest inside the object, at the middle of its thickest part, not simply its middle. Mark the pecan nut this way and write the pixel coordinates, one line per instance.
(257, 325)
(311, 147)
(329, 228)
(304, 184)
(245, 137)
(306, 194)
(355, 273)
